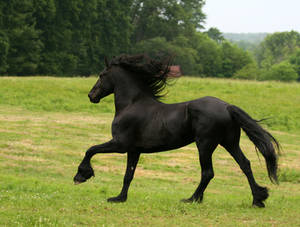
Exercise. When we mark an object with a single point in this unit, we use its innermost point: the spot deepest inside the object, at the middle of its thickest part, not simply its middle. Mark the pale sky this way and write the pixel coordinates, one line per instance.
(253, 15)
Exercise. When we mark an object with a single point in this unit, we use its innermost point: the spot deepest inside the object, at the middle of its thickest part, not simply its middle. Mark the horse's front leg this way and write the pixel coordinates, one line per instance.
(85, 170)
(132, 160)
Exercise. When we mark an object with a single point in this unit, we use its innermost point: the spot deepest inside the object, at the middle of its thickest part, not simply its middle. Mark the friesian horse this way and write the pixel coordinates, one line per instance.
(144, 124)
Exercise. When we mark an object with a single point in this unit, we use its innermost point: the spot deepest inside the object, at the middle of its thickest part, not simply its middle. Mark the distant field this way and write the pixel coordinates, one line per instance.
(277, 101)
(47, 123)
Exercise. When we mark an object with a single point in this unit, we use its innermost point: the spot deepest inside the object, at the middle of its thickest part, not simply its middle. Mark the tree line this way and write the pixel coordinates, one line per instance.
(72, 37)
(277, 57)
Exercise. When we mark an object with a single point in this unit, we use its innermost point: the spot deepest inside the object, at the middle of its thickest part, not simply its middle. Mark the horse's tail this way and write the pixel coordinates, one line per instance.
(263, 140)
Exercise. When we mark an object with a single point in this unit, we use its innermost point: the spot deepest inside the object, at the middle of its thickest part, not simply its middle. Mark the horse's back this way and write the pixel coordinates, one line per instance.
(209, 115)
(209, 105)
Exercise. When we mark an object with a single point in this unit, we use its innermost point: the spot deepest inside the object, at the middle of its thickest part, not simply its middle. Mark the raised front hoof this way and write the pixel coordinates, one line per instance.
(258, 204)
(78, 179)
(83, 174)
(118, 199)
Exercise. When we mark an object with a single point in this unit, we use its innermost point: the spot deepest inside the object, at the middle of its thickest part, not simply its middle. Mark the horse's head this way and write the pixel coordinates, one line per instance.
(104, 85)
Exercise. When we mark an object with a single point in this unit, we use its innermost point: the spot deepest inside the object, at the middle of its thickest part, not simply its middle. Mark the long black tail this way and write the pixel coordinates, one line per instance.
(264, 142)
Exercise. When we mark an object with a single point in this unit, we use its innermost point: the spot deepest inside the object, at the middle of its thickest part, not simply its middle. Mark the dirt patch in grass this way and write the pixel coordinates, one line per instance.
(284, 133)
(23, 158)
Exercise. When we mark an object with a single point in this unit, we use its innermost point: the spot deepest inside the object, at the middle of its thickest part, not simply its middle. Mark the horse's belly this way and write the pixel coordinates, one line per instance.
(166, 137)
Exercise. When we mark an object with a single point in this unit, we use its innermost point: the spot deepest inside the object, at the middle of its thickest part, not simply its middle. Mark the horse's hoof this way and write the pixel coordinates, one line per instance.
(78, 179)
(190, 200)
(193, 199)
(117, 199)
(258, 204)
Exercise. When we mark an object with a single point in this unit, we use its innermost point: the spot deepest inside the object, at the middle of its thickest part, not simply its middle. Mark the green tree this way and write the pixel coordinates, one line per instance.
(24, 44)
(115, 26)
(234, 59)
(209, 55)
(82, 29)
(169, 19)
(71, 37)
(45, 14)
(248, 72)
(295, 61)
(4, 47)
(277, 47)
(215, 34)
(283, 71)
(185, 56)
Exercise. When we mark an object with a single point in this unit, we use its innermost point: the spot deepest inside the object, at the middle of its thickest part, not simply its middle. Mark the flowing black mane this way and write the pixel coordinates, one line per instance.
(153, 73)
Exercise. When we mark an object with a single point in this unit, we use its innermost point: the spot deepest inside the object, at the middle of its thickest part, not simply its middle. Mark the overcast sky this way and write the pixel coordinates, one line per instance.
(253, 15)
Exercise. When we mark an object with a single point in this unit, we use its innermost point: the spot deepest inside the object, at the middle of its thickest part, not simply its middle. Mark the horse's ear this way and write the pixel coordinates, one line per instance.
(106, 61)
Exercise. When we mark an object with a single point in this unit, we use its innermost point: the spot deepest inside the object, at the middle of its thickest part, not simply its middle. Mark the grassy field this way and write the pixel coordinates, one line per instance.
(46, 124)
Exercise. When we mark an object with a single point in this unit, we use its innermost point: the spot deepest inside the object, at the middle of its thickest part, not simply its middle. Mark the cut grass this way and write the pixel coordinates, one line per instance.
(274, 100)
(41, 146)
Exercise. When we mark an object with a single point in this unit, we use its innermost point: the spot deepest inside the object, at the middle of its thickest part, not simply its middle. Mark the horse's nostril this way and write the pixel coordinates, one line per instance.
(93, 98)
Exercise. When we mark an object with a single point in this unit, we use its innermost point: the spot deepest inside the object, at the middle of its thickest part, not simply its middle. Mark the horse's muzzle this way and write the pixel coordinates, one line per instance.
(94, 99)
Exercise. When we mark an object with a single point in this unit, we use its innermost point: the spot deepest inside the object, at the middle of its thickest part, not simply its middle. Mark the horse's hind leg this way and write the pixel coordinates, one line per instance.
(259, 193)
(205, 149)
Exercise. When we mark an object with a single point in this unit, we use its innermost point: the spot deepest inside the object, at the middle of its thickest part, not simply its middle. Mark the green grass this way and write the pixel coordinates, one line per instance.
(46, 124)
(277, 101)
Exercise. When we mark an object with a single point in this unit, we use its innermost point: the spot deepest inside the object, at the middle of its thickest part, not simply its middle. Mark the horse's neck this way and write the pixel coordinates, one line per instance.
(127, 93)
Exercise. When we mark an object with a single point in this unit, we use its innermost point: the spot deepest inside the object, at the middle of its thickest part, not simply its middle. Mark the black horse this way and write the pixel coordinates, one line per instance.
(143, 124)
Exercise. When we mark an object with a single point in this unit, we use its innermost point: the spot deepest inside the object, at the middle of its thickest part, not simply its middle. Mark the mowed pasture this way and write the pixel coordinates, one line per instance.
(46, 125)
